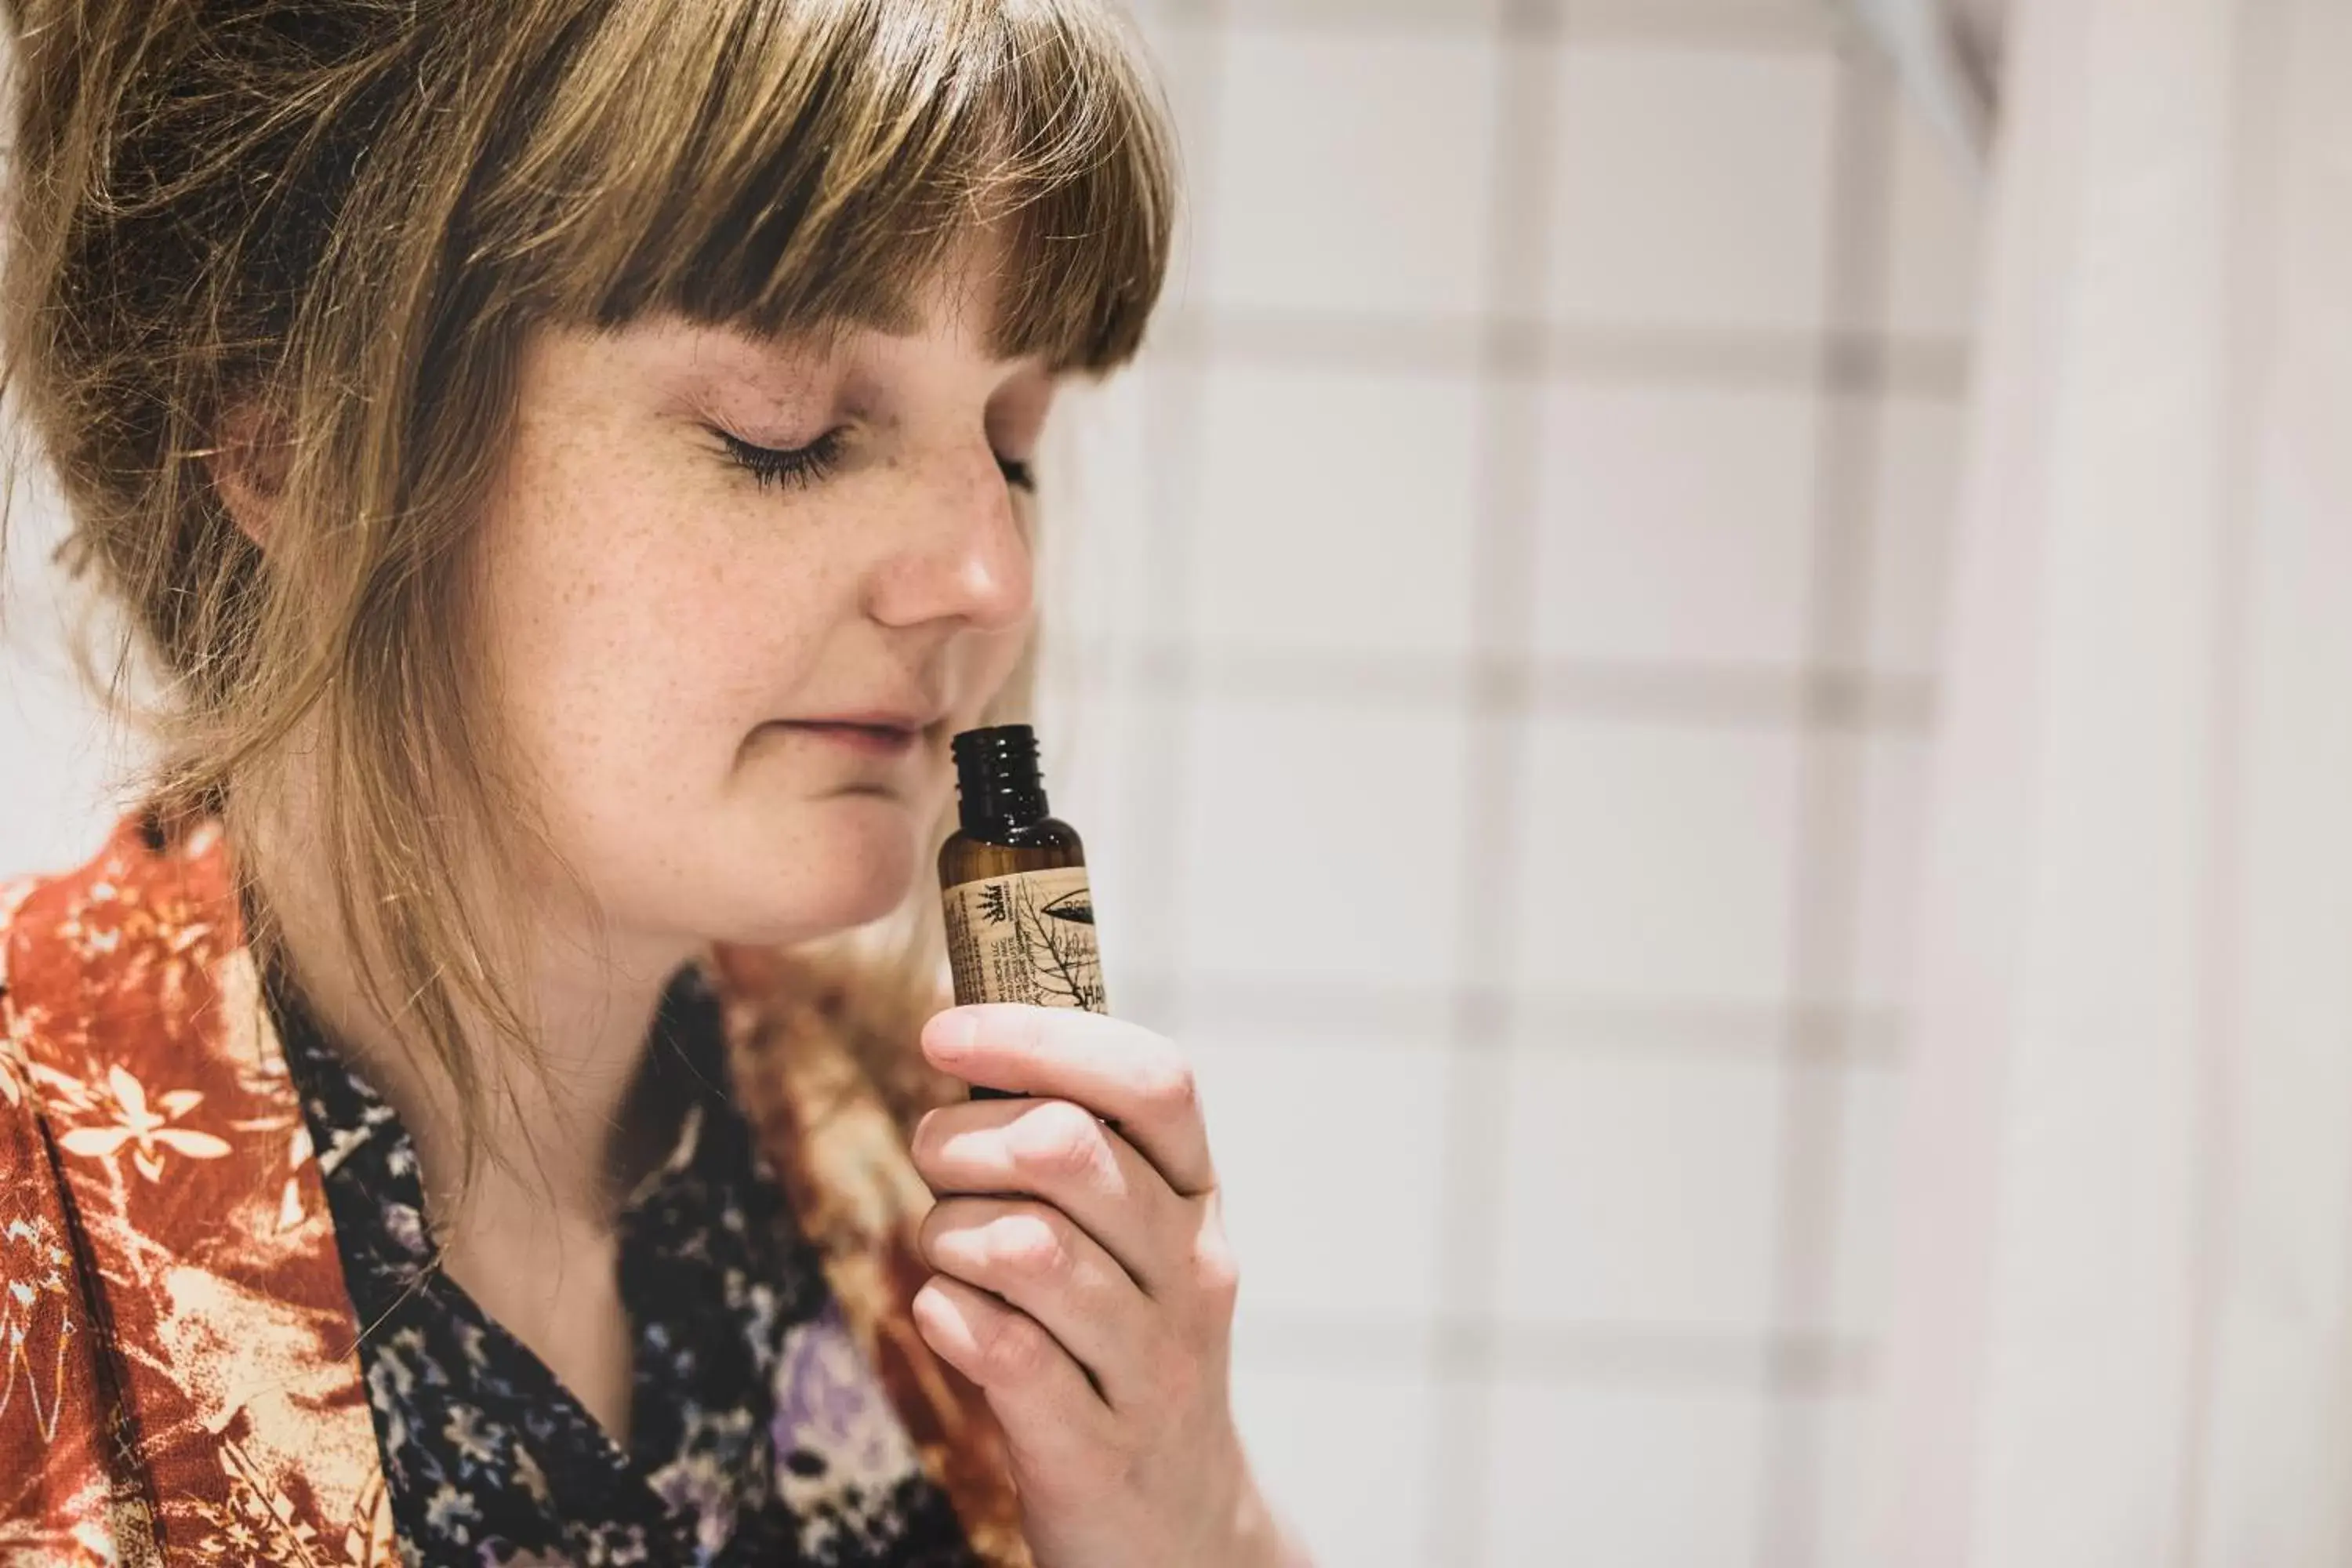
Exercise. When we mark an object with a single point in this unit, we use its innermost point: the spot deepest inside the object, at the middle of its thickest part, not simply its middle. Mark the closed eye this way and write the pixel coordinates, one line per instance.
(803, 466)
(796, 466)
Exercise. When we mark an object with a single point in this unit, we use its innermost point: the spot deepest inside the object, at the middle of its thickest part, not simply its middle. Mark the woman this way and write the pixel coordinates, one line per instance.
(565, 465)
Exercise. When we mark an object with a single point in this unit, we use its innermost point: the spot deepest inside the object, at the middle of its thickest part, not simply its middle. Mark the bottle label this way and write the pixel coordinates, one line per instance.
(1028, 937)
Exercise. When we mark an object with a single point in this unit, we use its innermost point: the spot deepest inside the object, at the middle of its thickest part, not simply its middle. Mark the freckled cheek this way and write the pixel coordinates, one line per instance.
(662, 685)
(666, 681)
(620, 660)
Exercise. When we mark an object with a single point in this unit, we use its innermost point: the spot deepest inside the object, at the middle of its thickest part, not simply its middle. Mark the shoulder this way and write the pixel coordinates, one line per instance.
(145, 880)
(92, 962)
(152, 1144)
(112, 970)
(115, 937)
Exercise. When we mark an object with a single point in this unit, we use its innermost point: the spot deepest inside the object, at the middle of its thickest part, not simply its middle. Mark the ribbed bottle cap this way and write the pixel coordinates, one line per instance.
(997, 782)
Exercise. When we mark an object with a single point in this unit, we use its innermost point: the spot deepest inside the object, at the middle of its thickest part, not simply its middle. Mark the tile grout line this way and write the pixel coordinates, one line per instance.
(1926, 366)
(1832, 699)
(1159, 666)
(1462, 1368)
(1827, 840)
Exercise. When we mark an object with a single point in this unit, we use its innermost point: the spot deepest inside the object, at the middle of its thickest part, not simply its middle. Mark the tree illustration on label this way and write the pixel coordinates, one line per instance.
(1029, 937)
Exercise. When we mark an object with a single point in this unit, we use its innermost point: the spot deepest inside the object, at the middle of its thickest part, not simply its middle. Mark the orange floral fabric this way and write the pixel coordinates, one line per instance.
(181, 1384)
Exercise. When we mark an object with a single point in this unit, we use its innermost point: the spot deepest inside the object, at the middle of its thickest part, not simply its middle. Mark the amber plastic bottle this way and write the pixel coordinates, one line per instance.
(1013, 879)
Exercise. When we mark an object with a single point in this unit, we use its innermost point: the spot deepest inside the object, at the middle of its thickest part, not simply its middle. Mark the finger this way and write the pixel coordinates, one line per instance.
(1035, 1259)
(1056, 1151)
(1139, 1080)
(1038, 1394)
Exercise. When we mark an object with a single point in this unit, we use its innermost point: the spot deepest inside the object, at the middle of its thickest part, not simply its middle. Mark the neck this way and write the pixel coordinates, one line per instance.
(551, 1122)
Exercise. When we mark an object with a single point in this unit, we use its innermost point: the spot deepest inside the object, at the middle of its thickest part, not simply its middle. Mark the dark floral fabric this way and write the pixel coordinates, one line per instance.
(757, 1432)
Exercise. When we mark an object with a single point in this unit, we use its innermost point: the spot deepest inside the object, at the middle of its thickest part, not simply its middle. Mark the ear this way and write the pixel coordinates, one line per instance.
(247, 467)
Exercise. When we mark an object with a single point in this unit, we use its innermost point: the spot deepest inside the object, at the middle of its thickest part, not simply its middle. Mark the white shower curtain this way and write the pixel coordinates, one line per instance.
(2122, 1332)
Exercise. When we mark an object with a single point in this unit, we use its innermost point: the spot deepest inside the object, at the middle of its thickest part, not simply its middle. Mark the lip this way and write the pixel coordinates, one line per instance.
(871, 734)
(906, 719)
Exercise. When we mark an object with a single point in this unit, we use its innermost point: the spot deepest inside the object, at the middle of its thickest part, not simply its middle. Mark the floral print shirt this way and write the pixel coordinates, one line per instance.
(208, 1229)
(757, 1433)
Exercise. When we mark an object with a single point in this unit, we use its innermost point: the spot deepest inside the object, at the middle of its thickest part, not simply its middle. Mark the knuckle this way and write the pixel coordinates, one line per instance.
(1218, 1272)
(1014, 1348)
(1028, 1243)
(1169, 1086)
(1061, 1139)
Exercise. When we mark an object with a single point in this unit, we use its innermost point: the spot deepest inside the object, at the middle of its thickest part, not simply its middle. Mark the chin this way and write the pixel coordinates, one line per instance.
(845, 864)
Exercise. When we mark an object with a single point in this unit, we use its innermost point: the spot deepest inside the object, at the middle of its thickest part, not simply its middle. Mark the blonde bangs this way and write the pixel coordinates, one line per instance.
(795, 168)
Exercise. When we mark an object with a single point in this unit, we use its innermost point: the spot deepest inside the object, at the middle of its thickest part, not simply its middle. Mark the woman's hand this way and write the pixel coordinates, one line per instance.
(1086, 1285)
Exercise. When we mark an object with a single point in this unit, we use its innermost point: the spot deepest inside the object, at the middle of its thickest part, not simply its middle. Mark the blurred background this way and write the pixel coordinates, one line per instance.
(1703, 669)
(1494, 662)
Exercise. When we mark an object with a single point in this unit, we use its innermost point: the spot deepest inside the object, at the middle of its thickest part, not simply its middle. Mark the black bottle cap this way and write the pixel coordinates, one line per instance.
(997, 782)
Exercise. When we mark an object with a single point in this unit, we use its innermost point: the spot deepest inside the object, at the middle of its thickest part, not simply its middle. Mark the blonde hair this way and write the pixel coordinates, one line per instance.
(348, 214)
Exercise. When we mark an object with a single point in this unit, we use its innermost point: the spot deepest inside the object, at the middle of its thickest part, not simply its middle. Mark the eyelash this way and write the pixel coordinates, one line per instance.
(803, 466)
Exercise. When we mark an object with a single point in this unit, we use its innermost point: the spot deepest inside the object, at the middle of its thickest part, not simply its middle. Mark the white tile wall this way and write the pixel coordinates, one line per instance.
(1725, 24)
(1691, 187)
(1334, 512)
(1868, 1097)
(1916, 488)
(1836, 1425)
(1506, 1139)
(1932, 260)
(1334, 1166)
(1629, 1476)
(1639, 1188)
(1305, 114)
(1095, 541)
(1345, 1453)
(1892, 774)
(1183, 42)
(1657, 866)
(1307, 844)
(1362, 13)
(1677, 523)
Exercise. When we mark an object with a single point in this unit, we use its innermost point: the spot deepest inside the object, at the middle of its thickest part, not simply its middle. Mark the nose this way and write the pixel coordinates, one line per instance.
(963, 555)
